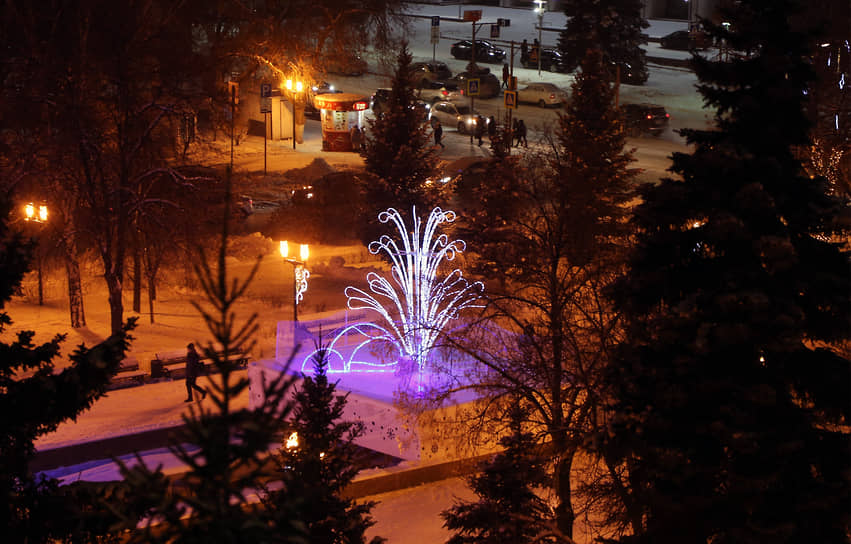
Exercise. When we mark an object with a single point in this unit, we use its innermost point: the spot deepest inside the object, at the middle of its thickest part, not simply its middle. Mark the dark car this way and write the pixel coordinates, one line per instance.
(381, 97)
(551, 60)
(489, 84)
(641, 119)
(427, 74)
(485, 51)
(684, 40)
(378, 101)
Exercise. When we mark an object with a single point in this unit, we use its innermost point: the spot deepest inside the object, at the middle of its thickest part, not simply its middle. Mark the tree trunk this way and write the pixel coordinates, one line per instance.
(565, 516)
(150, 300)
(75, 284)
(116, 305)
(75, 292)
(137, 277)
(151, 275)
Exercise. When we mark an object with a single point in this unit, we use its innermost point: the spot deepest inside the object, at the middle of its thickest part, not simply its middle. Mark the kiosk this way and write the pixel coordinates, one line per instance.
(339, 113)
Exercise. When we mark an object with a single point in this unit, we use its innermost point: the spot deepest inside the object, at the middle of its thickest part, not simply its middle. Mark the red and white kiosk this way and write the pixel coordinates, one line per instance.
(339, 113)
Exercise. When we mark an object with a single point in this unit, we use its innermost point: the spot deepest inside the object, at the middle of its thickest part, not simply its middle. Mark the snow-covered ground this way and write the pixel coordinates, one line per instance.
(403, 516)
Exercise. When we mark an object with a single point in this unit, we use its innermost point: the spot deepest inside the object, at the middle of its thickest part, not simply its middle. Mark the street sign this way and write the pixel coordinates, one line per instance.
(265, 104)
(435, 35)
(494, 31)
(472, 14)
(510, 99)
(473, 87)
(435, 21)
(265, 90)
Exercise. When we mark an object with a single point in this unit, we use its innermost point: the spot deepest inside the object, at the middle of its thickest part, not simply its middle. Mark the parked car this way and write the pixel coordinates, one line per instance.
(684, 40)
(455, 115)
(351, 64)
(489, 84)
(551, 60)
(542, 94)
(428, 73)
(378, 101)
(446, 93)
(644, 118)
(485, 51)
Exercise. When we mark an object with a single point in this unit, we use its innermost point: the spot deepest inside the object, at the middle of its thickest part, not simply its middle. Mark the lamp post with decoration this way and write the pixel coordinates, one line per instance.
(38, 216)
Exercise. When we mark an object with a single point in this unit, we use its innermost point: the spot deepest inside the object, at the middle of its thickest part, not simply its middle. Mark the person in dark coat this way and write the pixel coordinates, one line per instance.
(521, 133)
(524, 51)
(357, 138)
(506, 73)
(480, 128)
(515, 132)
(491, 128)
(193, 370)
(438, 134)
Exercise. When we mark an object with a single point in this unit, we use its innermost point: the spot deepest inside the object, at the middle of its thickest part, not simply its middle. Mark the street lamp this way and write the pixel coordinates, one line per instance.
(300, 273)
(540, 9)
(293, 88)
(40, 217)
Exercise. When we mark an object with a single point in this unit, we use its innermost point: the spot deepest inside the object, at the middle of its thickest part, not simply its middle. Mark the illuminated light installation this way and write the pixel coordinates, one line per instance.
(421, 303)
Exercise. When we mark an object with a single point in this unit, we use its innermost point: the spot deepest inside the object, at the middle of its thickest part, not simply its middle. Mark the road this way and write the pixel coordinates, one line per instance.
(669, 86)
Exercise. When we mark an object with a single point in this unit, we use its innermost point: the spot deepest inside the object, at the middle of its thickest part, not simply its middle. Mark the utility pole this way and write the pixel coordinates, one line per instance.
(512, 86)
(475, 68)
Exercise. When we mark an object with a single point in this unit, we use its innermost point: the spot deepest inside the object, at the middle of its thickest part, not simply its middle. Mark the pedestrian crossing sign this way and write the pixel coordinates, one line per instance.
(510, 99)
(473, 87)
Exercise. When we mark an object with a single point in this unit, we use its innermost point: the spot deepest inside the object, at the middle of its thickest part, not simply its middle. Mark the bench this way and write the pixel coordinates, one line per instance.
(128, 375)
(168, 365)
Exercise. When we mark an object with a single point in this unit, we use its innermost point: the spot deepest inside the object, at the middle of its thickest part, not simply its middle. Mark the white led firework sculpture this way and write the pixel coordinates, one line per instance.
(417, 303)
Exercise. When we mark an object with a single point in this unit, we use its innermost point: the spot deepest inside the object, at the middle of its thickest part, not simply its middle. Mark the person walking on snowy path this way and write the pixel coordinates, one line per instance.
(438, 134)
(193, 370)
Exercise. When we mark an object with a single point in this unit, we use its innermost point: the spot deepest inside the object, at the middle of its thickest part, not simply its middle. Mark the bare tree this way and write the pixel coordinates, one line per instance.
(556, 229)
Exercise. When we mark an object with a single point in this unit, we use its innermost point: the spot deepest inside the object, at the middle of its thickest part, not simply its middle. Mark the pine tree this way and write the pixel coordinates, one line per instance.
(509, 510)
(557, 239)
(325, 461)
(595, 180)
(731, 403)
(398, 153)
(613, 27)
(229, 462)
(35, 399)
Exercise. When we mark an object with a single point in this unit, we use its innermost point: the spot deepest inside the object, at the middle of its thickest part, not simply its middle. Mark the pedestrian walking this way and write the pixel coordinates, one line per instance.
(193, 370)
(357, 138)
(521, 133)
(480, 128)
(491, 128)
(524, 51)
(515, 129)
(438, 134)
(505, 75)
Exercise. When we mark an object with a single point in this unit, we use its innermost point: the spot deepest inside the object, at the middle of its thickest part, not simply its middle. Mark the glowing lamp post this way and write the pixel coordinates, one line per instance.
(40, 216)
(294, 88)
(540, 9)
(300, 273)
